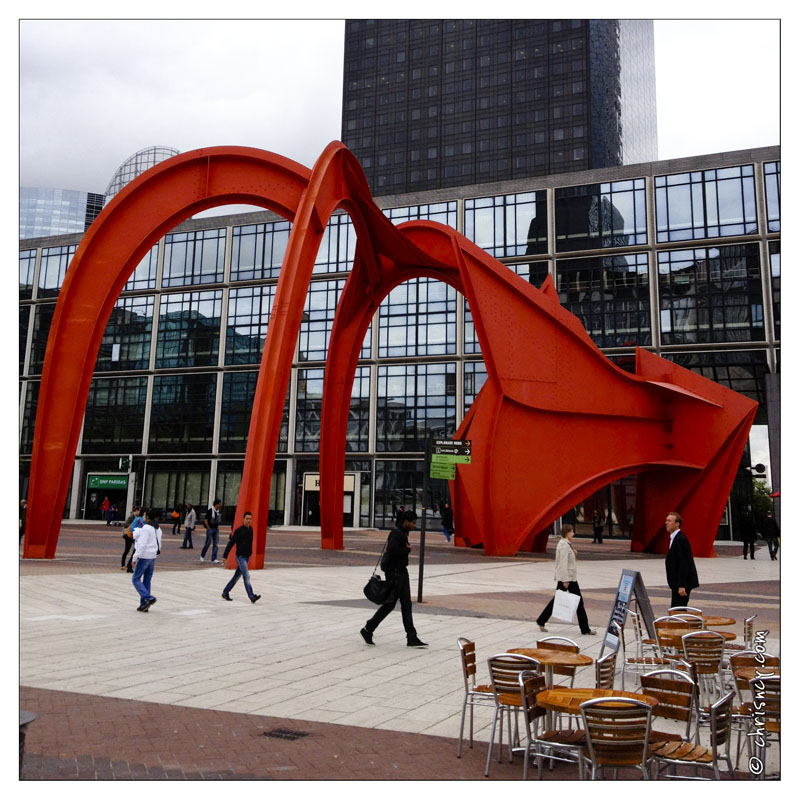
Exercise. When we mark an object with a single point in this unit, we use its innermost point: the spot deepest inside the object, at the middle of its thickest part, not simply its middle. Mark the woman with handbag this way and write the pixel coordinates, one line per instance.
(566, 580)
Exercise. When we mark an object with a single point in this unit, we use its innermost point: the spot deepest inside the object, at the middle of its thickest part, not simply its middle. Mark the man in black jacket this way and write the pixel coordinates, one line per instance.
(395, 564)
(242, 540)
(681, 571)
(771, 534)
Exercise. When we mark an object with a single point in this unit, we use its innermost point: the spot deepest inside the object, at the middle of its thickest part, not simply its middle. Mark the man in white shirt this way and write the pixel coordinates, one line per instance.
(147, 545)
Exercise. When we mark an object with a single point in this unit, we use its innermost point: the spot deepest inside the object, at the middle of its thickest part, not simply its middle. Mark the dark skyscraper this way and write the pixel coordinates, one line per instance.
(435, 103)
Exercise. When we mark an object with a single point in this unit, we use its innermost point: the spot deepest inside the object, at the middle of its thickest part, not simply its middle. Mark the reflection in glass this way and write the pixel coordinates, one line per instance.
(24, 320)
(415, 401)
(711, 295)
(601, 215)
(317, 323)
(126, 340)
(175, 483)
(188, 329)
(508, 225)
(775, 280)
(772, 188)
(609, 295)
(27, 263)
(53, 268)
(144, 276)
(258, 250)
(114, 420)
(42, 319)
(182, 414)
(248, 316)
(194, 257)
(418, 318)
(238, 393)
(704, 204)
(474, 378)
(31, 389)
(438, 212)
(338, 246)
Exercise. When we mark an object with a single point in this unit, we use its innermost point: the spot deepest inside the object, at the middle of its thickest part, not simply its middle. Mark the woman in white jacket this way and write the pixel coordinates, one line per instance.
(147, 545)
(567, 580)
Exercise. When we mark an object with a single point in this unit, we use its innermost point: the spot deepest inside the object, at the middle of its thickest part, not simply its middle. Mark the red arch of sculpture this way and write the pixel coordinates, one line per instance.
(554, 421)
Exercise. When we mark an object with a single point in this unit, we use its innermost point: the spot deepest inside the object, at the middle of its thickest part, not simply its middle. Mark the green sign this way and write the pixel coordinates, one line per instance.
(446, 458)
(108, 481)
(447, 471)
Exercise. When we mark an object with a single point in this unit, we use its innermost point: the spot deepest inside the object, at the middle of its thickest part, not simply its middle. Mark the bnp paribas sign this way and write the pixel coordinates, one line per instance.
(108, 481)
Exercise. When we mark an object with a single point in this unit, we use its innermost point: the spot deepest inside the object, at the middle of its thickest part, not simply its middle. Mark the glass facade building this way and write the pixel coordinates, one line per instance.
(50, 212)
(679, 257)
(433, 103)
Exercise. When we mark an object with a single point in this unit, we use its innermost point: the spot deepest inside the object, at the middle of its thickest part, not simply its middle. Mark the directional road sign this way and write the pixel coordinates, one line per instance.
(446, 471)
(446, 458)
(452, 447)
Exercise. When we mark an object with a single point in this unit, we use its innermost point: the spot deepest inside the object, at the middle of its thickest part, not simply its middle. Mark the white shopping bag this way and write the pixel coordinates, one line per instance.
(565, 605)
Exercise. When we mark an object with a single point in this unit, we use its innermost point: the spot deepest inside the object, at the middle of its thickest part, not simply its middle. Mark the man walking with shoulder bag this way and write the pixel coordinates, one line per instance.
(395, 564)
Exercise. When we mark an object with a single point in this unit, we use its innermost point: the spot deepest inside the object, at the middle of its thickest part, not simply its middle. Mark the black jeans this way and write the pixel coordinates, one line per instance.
(581, 612)
(403, 583)
(128, 544)
(752, 546)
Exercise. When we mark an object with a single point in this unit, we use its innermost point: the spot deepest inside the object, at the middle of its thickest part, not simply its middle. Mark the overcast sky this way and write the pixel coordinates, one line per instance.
(93, 92)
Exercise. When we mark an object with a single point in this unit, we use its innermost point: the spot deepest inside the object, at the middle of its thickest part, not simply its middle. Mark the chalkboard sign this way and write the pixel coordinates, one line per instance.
(631, 587)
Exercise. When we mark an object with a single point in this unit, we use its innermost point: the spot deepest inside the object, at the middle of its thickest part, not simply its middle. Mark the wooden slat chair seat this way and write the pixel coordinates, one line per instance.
(504, 671)
(669, 755)
(676, 693)
(639, 663)
(617, 733)
(555, 745)
(474, 694)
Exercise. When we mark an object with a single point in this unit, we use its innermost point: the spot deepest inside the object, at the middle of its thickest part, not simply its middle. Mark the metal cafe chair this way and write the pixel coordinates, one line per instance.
(676, 693)
(569, 744)
(474, 694)
(668, 755)
(617, 734)
(504, 669)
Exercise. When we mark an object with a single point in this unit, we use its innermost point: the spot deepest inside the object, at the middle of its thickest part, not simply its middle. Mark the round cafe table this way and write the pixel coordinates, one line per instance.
(553, 658)
(568, 701)
(748, 673)
(672, 636)
(717, 622)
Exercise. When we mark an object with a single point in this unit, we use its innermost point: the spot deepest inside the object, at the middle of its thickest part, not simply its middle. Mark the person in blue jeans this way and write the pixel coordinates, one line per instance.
(147, 546)
(242, 540)
(211, 524)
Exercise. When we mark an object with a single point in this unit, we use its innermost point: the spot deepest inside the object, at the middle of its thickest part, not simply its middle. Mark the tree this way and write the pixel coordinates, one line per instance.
(762, 502)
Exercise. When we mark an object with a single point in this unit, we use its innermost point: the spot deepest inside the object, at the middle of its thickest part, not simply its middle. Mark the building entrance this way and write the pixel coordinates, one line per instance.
(102, 487)
(311, 516)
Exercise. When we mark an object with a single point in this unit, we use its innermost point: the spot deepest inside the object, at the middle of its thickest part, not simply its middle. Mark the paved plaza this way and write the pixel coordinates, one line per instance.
(199, 688)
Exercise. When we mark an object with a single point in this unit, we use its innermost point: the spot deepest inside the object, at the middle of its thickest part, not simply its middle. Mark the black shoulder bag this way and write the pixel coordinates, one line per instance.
(378, 590)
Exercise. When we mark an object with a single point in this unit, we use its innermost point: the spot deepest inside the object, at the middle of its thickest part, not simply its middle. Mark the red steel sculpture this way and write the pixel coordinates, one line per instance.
(555, 420)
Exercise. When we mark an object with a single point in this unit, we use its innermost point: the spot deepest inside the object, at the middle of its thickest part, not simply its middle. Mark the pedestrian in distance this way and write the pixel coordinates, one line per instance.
(23, 513)
(211, 524)
(189, 524)
(447, 520)
(748, 537)
(772, 535)
(176, 520)
(395, 565)
(679, 563)
(147, 546)
(242, 540)
(597, 527)
(566, 580)
(133, 522)
(104, 508)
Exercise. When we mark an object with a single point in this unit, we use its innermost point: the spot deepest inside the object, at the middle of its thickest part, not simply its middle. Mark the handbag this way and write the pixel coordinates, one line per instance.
(565, 604)
(378, 590)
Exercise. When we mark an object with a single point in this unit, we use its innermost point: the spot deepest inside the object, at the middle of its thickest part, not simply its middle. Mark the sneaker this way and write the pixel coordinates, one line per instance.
(143, 608)
(255, 598)
(216, 561)
(123, 568)
(542, 628)
(226, 596)
(201, 558)
(590, 632)
(366, 636)
(150, 602)
(416, 642)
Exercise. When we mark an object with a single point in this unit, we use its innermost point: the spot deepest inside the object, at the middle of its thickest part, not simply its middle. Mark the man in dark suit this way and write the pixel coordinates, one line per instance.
(681, 571)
